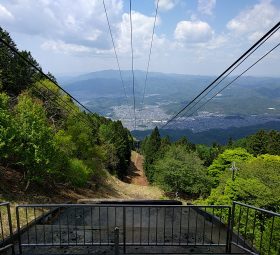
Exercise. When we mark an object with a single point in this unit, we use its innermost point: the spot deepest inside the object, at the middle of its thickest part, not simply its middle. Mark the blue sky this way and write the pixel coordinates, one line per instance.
(191, 36)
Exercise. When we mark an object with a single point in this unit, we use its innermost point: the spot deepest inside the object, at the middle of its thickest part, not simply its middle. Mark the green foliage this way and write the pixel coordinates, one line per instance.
(65, 143)
(208, 154)
(264, 142)
(67, 148)
(15, 74)
(257, 183)
(223, 162)
(45, 135)
(150, 148)
(78, 173)
(7, 129)
(83, 135)
(52, 98)
(110, 157)
(188, 145)
(181, 171)
(118, 143)
(35, 149)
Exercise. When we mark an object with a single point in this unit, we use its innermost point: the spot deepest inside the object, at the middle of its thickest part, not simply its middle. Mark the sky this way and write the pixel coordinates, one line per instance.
(200, 37)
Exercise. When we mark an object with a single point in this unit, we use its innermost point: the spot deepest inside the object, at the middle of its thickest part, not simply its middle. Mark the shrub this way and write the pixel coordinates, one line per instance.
(182, 171)
(78, 173)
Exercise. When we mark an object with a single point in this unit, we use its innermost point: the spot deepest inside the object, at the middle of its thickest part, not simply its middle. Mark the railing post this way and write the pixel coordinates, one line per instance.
(231, 226)
(228, 244)
(18, 231)
(116, 239)
(124, 229)
(11, 227)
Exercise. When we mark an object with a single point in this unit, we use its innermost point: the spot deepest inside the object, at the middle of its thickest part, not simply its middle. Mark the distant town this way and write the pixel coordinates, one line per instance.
(152, 115)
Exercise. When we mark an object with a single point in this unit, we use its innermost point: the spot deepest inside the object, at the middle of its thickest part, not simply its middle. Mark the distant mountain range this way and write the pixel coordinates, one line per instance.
(103, 92)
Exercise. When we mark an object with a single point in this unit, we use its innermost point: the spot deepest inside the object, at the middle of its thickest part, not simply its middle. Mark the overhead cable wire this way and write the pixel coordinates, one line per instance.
(47, 97)
(75, 110)
(200, 99)
(150, 52)
(132, 64)
(12, 48)
(246, 70)
(115, 51)
(65, 103)
(221, 75)
(28, 62)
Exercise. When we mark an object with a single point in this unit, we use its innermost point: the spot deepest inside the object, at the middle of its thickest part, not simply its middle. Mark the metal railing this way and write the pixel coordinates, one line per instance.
(255, 230)
(129, 225)
(6, 230)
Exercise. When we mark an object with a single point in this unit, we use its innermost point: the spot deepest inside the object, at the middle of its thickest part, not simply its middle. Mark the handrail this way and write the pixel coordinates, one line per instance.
(257, 208)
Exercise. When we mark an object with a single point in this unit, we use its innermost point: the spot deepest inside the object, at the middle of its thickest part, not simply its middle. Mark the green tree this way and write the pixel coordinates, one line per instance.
(181, 171)
(36, 151)
(208, 154)
(184, 141)
(151, 148)
(223, 162)
(257, 143)
(15, 74)
(273, 144)
(8, 131)
(114, 133)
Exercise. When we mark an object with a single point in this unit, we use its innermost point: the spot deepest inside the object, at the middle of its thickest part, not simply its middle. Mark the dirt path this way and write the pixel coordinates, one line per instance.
(136, 174)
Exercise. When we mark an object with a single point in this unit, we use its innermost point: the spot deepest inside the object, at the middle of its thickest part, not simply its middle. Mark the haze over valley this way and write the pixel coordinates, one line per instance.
(249, 101)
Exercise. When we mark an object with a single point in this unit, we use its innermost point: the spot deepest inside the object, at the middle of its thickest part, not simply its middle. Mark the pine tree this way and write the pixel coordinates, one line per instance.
(152, 146)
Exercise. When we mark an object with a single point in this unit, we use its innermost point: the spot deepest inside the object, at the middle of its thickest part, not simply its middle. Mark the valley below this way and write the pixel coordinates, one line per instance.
(258, 103)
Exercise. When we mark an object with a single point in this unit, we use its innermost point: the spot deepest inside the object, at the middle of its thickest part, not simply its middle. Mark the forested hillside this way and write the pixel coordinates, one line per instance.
(205, 172)
(45, 136)
(246, 170)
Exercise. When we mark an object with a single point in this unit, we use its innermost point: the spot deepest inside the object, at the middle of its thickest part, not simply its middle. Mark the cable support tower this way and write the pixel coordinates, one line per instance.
(263, 38)
(150, 53)
(132, 64)
(237, 77)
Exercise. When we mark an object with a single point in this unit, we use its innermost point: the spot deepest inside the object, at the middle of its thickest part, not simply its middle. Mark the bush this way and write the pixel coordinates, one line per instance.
(8, 132)
(224, 161)
(78, 173)
(35, 146)
(182, 171)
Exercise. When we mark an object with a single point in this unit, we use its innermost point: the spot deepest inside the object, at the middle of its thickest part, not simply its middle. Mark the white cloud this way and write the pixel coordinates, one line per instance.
(82, 26)
(62, 47)
(216, 42)
(193, 32)
(206, 6)
(166, 5)
(5, 15)
(80, 23)
(255, 21)
(142, 26)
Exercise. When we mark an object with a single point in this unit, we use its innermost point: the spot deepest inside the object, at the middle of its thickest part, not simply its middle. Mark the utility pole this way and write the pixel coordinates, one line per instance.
(233, 169)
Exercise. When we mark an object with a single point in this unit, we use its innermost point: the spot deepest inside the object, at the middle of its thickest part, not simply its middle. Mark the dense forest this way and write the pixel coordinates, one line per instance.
(205, 172)
(47, 137)
(245, 170)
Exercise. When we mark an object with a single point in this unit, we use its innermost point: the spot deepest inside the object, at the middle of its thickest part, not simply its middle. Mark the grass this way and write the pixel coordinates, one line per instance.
(26, 215)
